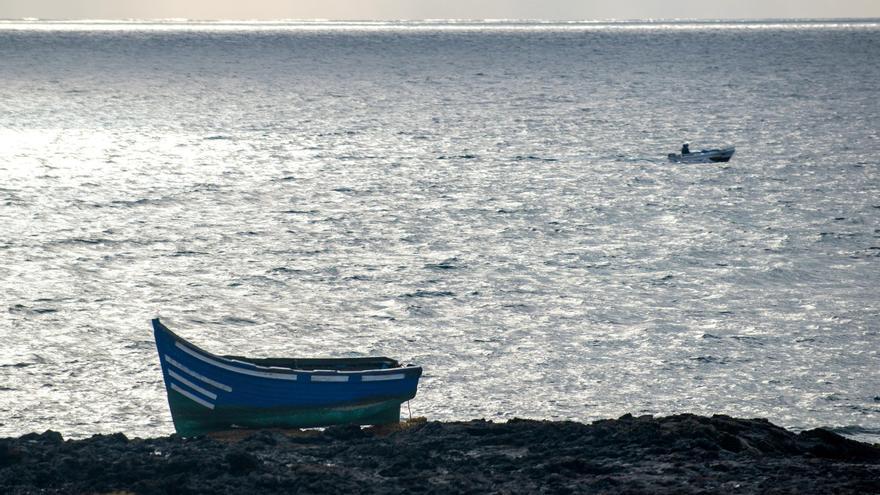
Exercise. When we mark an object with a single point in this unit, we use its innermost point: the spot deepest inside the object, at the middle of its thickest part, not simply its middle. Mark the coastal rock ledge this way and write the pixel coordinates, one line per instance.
(676, 454)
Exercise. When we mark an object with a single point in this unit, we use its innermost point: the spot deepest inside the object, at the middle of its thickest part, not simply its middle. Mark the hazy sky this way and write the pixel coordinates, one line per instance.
(436, 9)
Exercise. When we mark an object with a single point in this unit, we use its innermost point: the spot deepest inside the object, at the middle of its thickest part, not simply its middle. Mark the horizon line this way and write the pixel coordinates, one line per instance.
(450, 20)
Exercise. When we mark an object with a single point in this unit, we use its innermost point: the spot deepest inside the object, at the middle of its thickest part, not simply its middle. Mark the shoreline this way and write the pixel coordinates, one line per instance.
(683, 453)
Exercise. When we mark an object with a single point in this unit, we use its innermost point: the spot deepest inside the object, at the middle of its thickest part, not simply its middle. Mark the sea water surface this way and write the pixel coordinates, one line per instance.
(490, 200)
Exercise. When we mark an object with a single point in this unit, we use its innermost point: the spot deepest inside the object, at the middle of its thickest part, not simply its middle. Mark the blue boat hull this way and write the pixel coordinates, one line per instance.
(208, 393)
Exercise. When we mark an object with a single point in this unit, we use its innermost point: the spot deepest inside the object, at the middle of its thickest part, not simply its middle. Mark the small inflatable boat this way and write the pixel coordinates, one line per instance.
(704, 156)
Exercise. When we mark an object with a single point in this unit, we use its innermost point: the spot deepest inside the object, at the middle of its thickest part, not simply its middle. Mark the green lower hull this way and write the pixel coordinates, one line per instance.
(192, 419)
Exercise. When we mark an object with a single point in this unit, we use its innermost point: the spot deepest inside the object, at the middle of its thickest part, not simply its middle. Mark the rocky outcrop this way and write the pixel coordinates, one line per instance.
(676, 454)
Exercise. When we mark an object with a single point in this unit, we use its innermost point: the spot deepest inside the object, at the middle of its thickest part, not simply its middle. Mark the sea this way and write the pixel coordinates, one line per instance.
(491, 200)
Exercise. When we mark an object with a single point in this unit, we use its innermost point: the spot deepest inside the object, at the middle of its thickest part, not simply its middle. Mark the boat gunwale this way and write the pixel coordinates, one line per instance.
(713, 151)
(284, 373)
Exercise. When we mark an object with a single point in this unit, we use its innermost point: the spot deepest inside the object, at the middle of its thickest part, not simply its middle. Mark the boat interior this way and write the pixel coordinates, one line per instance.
(335, 364)
(305, 364)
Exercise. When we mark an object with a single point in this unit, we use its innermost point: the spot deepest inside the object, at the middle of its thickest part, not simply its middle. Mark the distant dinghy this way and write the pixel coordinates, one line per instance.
(704, 156)
(209, 393)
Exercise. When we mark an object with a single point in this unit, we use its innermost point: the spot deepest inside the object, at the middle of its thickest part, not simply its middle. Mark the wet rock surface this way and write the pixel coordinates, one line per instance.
(676, 454)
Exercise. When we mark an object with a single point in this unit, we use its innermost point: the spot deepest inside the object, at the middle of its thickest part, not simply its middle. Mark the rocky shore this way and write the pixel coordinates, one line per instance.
(676, 454)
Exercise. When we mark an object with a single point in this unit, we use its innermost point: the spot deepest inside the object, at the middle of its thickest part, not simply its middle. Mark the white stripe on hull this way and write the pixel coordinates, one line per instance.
(192, 397)
(329, 378)
(214, 383)
(379, 378)
(206, 393)
(212, 362)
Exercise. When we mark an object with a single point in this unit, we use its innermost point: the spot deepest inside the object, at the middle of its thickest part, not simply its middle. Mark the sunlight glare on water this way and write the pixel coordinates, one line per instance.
(490, 201)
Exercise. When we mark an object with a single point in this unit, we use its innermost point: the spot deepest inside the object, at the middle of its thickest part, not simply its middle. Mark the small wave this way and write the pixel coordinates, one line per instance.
(662, 281)
(135, 202)
(639, 159)
(466, 156)
(259, 281)
(447, 264)
(337, 133)
(90, 242)
(205, 186)
(218, 137)
(748, 339)
(188, 253)
(709, 360)
(536, 158)
(828, 236)
(235, 320)
(17, 365)
(857, 432)
(35, 360)
(284, 269)
(871, 252)
(430, 293)
(525, 308)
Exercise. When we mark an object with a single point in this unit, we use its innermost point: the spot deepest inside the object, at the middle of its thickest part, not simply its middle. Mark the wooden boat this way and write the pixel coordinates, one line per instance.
(704, 156)
(207, 392)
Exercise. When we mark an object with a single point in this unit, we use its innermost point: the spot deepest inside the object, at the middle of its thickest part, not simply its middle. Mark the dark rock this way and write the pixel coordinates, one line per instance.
(48, 436)
(345, 432)
(731, 443)
(676, 454)
(241, 462)
(823, 443)
(269, 438)
(569, 466)
(9, 453)
(114, 438)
